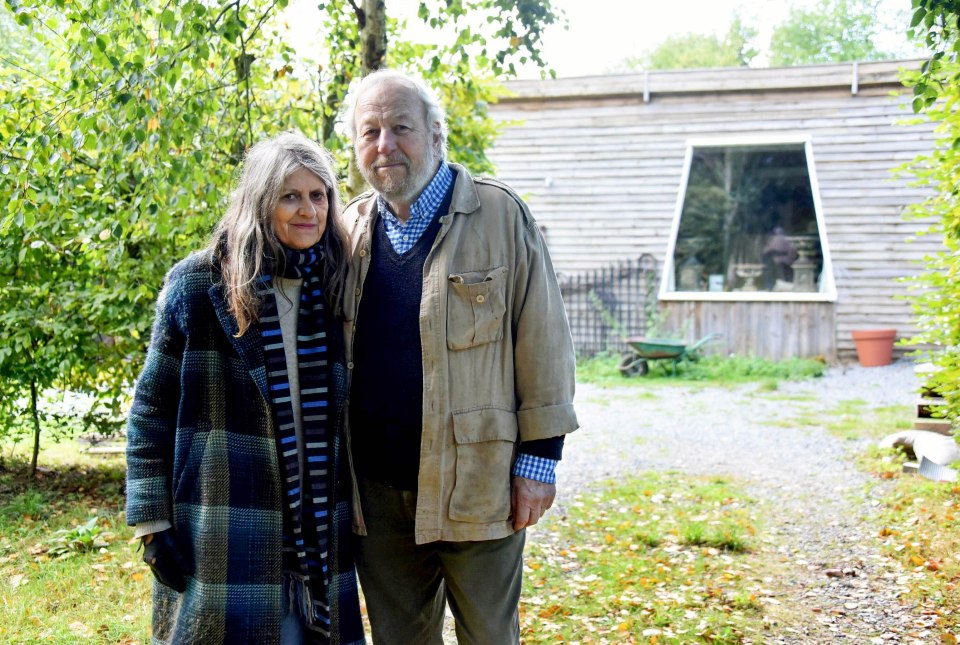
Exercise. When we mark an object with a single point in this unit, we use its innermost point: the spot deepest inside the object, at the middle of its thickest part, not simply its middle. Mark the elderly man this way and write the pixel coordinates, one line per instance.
(462, 375)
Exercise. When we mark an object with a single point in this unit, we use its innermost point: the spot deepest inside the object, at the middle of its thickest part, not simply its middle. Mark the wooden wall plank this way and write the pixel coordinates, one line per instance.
(601, 171)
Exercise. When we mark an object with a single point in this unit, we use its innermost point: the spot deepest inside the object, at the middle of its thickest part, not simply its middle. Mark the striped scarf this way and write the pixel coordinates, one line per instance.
(308, 496)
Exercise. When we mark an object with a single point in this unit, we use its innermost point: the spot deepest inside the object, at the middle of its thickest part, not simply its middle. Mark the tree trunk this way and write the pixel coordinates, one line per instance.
(373, 45)
(373, 36)
(36, 428)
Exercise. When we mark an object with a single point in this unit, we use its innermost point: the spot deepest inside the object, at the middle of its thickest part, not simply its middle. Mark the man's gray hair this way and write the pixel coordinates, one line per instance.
(435, 115)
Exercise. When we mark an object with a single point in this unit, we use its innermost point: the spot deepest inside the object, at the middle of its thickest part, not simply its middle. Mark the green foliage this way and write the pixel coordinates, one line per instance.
(84, 538)
(934, 24)
(733, 369)
(30, 503)
(602, 370)
(690, 51)
(517, 27)
(121, 126)
(936, 298)
(832, 31)
(116, 159)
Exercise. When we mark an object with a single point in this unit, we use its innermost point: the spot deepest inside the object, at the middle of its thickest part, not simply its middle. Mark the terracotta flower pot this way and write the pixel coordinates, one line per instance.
(874, 346)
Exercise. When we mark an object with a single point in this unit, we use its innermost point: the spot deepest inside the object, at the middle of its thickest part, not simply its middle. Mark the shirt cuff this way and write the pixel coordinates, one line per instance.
(539, 469)
(146, 528)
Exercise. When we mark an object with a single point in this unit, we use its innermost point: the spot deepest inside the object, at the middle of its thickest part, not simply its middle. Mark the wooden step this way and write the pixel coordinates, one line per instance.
(923, 372)
(943, 426)
(926, 405)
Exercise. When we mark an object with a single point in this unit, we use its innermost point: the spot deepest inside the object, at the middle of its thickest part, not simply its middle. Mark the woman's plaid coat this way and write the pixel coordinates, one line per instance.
(201, 454)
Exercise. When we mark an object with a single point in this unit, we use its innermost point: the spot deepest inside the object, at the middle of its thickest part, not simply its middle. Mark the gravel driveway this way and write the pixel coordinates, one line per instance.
(815, 516)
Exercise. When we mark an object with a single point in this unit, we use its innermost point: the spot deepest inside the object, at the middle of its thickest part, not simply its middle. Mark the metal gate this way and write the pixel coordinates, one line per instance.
(607, 304)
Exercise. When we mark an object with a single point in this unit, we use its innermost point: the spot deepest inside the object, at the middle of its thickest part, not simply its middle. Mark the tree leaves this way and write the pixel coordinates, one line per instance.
(833, 31)
(936, 291)
(121, 125)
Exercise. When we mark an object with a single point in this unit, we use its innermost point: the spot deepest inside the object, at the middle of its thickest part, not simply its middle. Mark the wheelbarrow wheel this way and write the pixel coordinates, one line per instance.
(633, 366)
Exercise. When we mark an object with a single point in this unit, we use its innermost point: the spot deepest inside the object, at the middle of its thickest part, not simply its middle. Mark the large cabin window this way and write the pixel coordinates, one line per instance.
(748, 226)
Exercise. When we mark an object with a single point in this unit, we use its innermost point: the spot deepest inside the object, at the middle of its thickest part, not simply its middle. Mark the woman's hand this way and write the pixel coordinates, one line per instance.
(161, 553)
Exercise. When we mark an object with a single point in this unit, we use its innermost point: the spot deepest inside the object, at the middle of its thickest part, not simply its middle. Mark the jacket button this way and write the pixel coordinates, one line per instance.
(480, 298)
(356, 291)
(363, 252)
(350, 365)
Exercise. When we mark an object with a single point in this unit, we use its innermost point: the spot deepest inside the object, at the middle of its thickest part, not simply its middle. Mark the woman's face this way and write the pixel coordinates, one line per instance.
(300, 216)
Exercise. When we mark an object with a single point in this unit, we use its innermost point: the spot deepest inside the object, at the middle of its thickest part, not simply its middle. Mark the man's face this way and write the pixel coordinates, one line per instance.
(395, 147)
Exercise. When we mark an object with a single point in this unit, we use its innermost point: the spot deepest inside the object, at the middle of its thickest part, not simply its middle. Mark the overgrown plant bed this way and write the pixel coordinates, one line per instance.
(919, 519)
(920, 528)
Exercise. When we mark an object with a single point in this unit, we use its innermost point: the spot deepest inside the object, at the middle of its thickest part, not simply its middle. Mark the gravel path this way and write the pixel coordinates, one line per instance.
(838, 587)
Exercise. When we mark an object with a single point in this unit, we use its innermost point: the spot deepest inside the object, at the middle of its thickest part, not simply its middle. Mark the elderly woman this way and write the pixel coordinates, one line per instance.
(237, 478)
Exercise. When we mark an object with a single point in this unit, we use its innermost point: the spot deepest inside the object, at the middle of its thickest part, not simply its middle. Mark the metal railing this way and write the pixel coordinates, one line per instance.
(607, 304)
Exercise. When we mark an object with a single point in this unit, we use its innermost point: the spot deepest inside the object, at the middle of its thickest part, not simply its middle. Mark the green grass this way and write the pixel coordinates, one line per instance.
(663, 555)
(602, 370)
(69, 570)
(851, 419)
(664, 558)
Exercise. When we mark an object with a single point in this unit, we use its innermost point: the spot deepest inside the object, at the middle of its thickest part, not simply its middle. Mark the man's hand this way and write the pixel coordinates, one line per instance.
(529, 500)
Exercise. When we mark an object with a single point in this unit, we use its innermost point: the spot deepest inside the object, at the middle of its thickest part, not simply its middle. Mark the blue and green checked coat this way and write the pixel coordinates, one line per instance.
(201, 454)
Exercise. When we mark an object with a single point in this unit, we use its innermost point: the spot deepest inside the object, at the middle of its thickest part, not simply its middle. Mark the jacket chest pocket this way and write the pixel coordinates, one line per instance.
(476, 302)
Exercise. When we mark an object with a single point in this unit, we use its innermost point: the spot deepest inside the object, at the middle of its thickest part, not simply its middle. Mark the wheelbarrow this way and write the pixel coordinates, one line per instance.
(645, 351)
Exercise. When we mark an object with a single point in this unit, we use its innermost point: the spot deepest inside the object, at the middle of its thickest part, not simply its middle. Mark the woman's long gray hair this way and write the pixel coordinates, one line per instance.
(244, 240)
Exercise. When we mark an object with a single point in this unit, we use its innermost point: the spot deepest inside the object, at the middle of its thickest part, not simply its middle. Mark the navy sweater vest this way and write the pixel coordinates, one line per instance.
(387, 392)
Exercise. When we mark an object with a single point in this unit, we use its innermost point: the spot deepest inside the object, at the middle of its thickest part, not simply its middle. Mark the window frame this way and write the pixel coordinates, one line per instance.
(829, 286)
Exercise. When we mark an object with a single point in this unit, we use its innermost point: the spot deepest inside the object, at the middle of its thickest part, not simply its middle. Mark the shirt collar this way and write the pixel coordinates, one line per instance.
(428, 202)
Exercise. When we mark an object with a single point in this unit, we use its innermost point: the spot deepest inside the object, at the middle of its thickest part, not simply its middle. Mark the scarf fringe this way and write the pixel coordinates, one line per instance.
(298, 589)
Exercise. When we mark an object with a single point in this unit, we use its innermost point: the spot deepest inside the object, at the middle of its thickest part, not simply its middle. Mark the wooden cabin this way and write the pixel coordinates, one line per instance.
(765, 196)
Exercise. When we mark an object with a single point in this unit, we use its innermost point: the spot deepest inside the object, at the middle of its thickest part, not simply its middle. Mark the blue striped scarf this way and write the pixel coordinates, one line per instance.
(308, 496)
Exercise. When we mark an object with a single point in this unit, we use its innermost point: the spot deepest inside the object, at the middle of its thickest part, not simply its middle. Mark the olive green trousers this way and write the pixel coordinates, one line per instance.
(405, 585)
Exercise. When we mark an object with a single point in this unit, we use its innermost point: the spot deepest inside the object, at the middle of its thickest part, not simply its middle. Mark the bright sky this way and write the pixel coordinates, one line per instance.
(602, 33)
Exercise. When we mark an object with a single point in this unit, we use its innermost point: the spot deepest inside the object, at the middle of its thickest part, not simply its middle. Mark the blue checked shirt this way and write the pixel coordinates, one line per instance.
(539, 468)
(402, 236)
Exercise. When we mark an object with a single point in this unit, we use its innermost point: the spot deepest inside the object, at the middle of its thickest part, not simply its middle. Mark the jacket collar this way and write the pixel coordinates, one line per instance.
(465, 198)
(247, 346)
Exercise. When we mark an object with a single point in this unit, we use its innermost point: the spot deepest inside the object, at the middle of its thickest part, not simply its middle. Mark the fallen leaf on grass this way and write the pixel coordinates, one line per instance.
(80, 629)
(17, 580)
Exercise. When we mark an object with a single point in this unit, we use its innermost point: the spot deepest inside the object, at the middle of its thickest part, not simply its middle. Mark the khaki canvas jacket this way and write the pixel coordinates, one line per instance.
(498, 358)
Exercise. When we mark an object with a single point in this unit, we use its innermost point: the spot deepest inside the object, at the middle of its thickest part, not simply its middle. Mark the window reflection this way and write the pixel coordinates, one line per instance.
(748, 222)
